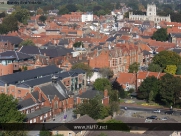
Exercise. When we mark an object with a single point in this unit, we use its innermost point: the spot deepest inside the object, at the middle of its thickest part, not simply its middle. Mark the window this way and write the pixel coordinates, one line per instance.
(46, 115)
(27, 111)
(42, 103)
(30, 121)
(114, 62)
(32, 110)
(70, 134)
(34, 120)
(119, 60)
(40, 117)
(19, 91)
(37, 107)
(62, 103)
(50, 113)
(56, 105)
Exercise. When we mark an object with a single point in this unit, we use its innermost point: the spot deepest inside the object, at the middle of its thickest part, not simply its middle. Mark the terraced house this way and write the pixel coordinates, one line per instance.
(21, 83)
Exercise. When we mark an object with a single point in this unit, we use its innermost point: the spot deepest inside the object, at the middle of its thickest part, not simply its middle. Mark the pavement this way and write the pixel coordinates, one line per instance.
(58, 119)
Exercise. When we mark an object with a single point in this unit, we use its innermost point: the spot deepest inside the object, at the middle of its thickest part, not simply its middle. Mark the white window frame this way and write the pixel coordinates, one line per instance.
(41, 118)
(42, 103)
(34, 120)
(31, 121)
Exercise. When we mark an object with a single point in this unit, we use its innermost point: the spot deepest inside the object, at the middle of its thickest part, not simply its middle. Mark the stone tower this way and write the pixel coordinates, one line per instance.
(151, 10)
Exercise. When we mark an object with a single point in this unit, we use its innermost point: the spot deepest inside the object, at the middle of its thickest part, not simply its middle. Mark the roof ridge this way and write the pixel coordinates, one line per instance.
(16, 54)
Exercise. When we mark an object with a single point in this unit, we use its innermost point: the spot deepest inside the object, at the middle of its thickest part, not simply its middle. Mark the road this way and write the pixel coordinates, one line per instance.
(177, 113)
(58, 119)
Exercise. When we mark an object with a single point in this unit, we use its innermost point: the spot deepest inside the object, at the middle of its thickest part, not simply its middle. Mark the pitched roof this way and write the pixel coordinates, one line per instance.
(90, 94)
(25, 103)
(13, 39)
(54, 89)
(37, 113)
(124, 78)
(15, 54)
(29, 74)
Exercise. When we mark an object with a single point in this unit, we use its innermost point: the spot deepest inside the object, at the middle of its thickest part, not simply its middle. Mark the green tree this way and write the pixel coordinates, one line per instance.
(42, 18)
(178, 70)
(94, 108)
(63, 10)
(114, 107)
(126, 15)
(151, 95)
(117, 86)
(44, 132)
(78, 44)
(149, 84)
(27, 42)
(170, 89)
(2, 15)
(71, 7)
(106, 72)
(84, 67)
(22, 15)
(11, 23)
(154, 68)
(160, 35)
(10, 114)
(39, 11)
(9, 111)
(100, 84)
(134, 67)
(171, 69)
(3, 29)
(165, 58)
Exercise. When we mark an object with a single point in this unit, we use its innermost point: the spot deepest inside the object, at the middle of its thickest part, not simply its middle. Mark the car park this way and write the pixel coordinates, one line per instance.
(165, 118)
(152, 117)
(156, 111)
(170, 112)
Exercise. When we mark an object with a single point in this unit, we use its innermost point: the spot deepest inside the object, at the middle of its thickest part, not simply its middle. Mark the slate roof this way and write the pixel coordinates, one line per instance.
(99, 47)
(35, 94)
(145, 37)
(29, 74)
(111, 39)
(50, 51)
(39, 112)
(15, 54)
(90, 94)
(145, 52)
(63, 41)
(13, 39)
(51, 90)
(178, 50)
(47, 79)
(177, 35)
(25, 103)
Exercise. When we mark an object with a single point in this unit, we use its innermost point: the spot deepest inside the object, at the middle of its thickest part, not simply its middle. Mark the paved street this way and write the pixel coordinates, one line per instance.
(58, 119)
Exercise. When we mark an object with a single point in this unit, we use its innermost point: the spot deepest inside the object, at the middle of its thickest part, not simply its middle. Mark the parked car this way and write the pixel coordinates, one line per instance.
(165, 118)
(170, 112)
(156, 111)
(152, 117)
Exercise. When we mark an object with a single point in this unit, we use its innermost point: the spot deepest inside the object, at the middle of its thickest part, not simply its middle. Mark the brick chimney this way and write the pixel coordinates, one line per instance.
(105, 93)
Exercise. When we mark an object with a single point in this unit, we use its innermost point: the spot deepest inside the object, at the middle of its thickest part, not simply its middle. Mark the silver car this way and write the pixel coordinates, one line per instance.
(156, 111)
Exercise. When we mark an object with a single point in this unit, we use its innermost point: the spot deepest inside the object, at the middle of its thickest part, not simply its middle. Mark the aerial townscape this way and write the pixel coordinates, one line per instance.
(67, 64)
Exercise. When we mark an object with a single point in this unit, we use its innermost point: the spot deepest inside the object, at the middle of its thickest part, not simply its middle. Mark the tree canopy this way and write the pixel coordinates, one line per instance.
(94, 108)
(106, 72)
(27, 42)
(154, 68)
(9, 114)
(171, 69)
(101, 83)
(165, 58)
(22, 15)
(160, 35)
(42, 18)
(149, 85)
(78, 44)
(134, 67)
(84, 67)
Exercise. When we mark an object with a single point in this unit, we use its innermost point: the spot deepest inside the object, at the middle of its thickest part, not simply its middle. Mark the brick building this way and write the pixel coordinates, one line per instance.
(117, 58)
(46, 101)
(11, 61)
(5, 46)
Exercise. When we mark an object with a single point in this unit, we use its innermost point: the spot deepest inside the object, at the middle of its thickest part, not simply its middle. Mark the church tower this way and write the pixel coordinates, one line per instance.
(151, 10)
